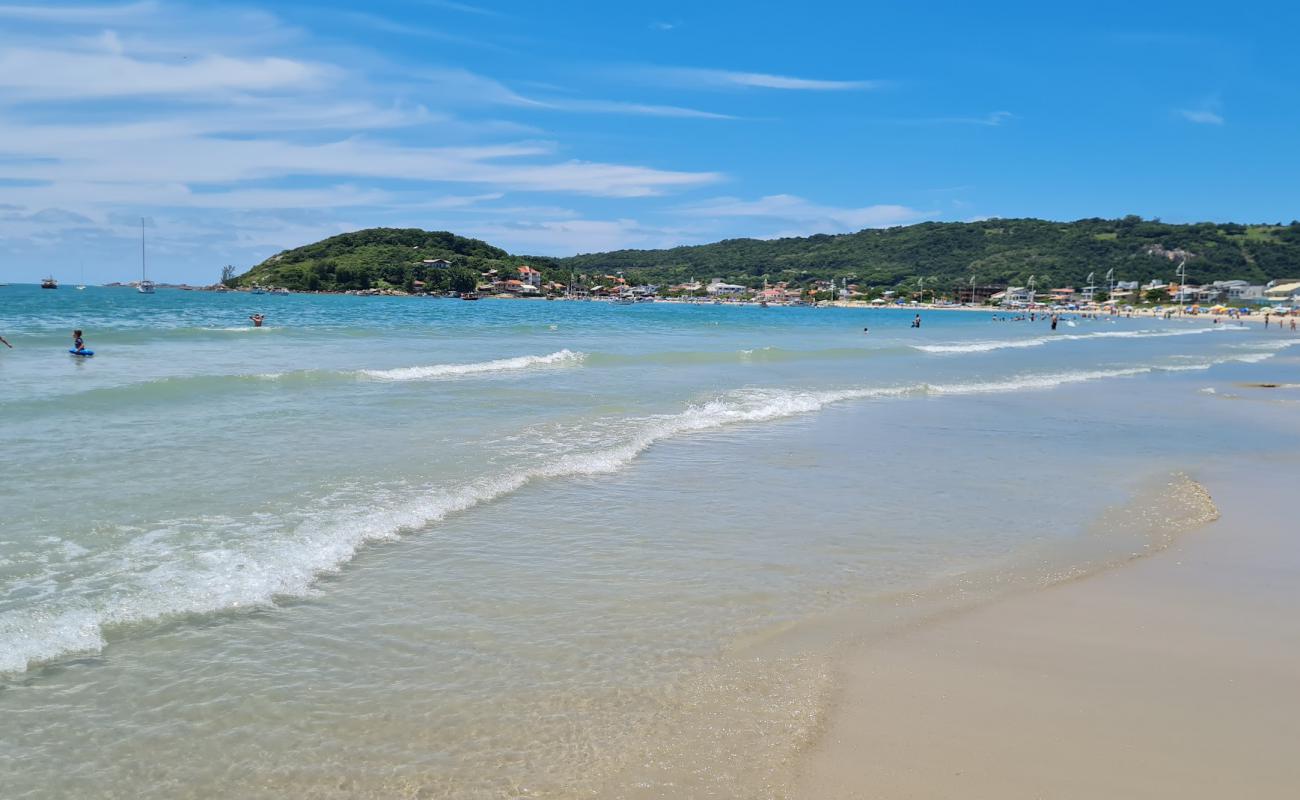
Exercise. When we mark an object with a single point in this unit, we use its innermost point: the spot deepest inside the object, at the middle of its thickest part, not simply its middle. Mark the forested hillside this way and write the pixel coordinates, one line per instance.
(996, 251)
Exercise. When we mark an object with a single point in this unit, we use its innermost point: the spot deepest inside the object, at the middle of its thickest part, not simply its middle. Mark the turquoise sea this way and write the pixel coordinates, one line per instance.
(410, 547)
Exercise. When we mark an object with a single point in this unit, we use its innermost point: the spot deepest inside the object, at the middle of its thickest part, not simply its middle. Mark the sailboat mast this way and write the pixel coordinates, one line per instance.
(143, 269)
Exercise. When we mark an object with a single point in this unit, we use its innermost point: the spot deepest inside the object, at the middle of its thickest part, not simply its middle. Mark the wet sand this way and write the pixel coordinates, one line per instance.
(1174, 676)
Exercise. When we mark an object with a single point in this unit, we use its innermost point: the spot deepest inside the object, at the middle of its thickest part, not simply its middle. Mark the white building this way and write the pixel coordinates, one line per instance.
(1283, 294)
(1016, 296)
(1240, 290)
(717, 286)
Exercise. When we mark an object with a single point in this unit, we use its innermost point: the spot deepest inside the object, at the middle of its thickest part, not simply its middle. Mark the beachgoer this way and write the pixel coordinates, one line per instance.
(864, 330)
(78, 344)
(6, 341)
(1053, 322)
(916, 323)
(257, 320)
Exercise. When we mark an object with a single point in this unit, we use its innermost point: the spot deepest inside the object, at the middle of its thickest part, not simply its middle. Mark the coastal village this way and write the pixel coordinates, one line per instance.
(1279, 296)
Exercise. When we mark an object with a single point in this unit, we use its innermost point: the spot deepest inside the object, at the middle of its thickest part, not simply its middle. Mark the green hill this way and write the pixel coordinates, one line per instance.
(946, 254)
(378, 257)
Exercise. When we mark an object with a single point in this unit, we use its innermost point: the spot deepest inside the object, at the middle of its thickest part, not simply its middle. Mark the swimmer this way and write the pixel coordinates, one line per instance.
(257, 320)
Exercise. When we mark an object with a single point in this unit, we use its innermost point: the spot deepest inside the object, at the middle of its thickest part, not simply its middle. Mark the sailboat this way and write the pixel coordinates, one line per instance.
(81, 287)
(146, 286)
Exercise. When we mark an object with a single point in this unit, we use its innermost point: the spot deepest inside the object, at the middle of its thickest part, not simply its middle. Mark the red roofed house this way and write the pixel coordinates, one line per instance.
(530, 276)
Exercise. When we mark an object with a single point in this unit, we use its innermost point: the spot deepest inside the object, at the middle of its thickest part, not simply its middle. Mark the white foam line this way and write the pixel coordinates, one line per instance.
(244, 329)
(287, 563)
(1038, 341)
(434, 371)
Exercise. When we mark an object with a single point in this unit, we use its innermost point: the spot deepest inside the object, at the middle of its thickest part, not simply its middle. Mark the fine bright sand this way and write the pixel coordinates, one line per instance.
(1173, 676)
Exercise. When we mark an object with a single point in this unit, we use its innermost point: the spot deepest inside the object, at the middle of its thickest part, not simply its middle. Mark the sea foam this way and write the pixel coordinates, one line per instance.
(241, 562)
(1038, 341)
(435, 371)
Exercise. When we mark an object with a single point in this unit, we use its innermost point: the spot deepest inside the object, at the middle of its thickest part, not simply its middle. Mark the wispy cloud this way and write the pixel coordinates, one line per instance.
(568, 236)
(993, 119)
(383, 24)
(463, 8)
(65, 73)
(1201, 116)
(641, 109)
(464, 87)
(240, 141)
(79, 15)
(699, 78)
(812, 217)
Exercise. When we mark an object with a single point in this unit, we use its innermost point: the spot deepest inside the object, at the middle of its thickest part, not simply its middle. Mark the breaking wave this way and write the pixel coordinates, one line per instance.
(217, 564)
(1038, 341)
(434, 371)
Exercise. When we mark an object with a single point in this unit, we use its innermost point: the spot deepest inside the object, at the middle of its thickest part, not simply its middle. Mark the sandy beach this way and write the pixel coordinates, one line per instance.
(1171, 676)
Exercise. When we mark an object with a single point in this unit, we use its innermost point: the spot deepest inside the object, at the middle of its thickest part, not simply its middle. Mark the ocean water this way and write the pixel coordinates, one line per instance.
(406, 547)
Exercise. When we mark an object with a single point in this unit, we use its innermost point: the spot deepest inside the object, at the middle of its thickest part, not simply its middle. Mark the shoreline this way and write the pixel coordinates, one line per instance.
(1168, 676)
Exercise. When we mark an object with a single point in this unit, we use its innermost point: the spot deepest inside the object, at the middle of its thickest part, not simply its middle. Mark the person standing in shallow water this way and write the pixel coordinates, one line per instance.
(257, 319)
(78, 344)
(916, 323)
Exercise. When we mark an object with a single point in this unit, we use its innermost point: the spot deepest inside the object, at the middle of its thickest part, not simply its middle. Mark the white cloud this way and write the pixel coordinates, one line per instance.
(1201, 116)
(463, 8)
(813, 218)
(238, 132)
(636, 109)
(161, 153)
(566, 237)
(386, 25)
(49, 73)
(78, 15)
(698, 78)
(993, 119)
(463, 87)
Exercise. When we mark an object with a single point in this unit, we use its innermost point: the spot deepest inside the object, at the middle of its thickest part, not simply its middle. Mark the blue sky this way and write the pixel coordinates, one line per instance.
(240, 130)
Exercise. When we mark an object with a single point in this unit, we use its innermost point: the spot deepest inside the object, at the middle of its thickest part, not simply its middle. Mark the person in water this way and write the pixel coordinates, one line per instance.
(916, 323)
(257, 320)
(78, 344)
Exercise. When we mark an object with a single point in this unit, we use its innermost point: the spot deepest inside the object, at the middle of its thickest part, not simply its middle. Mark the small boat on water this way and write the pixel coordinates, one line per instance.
(469, 296)
(49, 283)
(145, 286)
